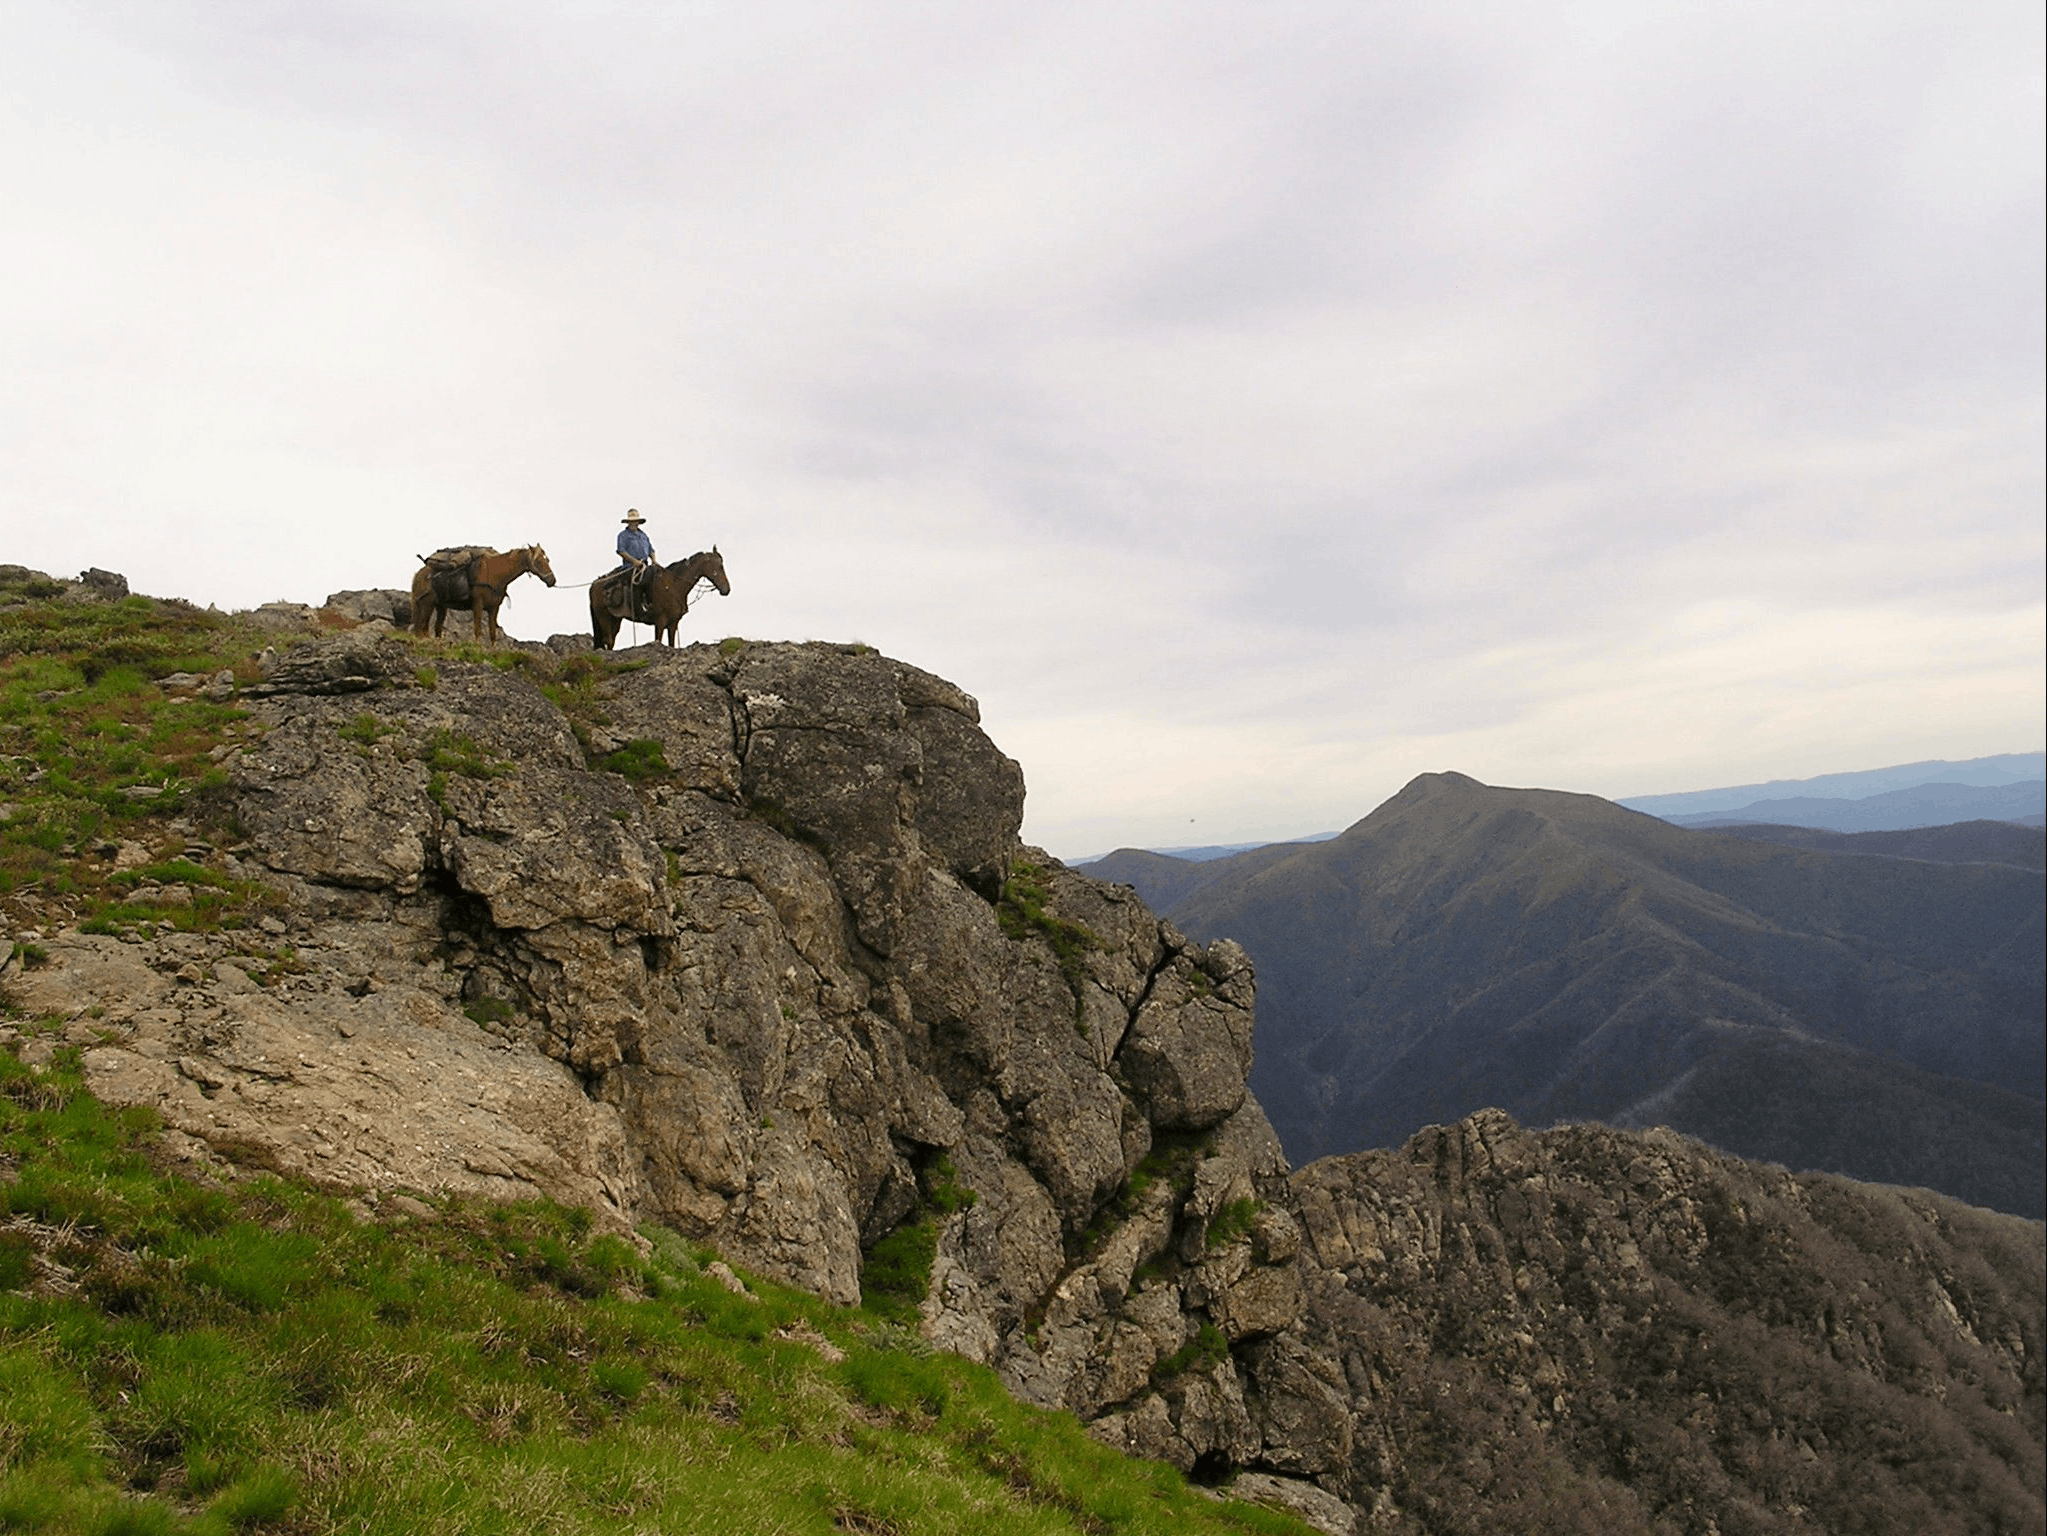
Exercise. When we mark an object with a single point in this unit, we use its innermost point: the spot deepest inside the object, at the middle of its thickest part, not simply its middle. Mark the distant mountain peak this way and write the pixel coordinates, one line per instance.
(1563, 957)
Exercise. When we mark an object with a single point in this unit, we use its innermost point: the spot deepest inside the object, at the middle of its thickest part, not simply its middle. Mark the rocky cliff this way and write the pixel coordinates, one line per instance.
(740, 939)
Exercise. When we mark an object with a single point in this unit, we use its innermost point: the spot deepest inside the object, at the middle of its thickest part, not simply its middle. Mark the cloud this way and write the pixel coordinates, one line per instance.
(1253, 410)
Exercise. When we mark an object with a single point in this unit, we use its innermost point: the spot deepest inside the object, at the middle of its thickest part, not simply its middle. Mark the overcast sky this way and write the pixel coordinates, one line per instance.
(1253, 405)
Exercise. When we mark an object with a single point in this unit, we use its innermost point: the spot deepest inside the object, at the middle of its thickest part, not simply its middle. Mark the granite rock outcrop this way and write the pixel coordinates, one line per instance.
(741, 939)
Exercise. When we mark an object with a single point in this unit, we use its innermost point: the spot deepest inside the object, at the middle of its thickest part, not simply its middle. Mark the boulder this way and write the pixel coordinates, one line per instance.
(392, 605)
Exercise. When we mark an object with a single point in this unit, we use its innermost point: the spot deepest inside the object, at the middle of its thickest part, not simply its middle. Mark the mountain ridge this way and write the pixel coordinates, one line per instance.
(1965, 842)
(1566, 958)
(2002, 768)
(1701, 807)
(1923, 805)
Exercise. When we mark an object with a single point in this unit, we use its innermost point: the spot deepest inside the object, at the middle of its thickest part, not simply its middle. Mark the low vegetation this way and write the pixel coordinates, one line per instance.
(896, 1273)
(182, 1354)
(637, 761)
(1172, 1159)
(108, 736)
(1021, 912)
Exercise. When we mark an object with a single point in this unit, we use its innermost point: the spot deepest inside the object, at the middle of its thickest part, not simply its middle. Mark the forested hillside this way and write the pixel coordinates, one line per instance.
(1562, 958)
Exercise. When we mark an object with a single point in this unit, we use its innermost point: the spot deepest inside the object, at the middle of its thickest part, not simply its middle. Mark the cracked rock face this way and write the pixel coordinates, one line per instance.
(772, 987)
(762, 988)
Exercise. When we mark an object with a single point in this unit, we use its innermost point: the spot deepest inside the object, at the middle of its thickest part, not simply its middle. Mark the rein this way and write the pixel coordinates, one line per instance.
(701, 582)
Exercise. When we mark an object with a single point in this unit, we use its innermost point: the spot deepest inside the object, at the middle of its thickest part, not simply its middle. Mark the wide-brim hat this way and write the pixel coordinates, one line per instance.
(632, 517)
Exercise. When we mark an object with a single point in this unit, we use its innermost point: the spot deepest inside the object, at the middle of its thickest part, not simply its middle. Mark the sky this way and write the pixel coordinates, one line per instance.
(1252, 406)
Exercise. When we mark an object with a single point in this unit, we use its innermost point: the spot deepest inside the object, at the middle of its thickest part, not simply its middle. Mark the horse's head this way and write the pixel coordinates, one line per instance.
(714, 567)
(537, 562)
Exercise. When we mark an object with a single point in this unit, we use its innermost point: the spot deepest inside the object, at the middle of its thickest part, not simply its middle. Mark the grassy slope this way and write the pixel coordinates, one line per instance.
(94, 752)
(181, 1354)
(177, 1354)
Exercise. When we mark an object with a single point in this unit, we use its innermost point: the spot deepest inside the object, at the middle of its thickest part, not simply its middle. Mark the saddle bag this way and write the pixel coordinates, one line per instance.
(454, 585)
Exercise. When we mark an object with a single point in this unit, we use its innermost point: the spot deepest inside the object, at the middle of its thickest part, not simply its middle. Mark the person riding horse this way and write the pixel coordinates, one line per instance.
(636, 561)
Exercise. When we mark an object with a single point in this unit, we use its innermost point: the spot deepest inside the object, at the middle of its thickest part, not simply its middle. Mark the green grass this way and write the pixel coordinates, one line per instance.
(1230, 1223)
(896, 1272)
(1172, 1158)
(1021, 912)
(258, 1356)
(638, 761)
(366, 730)
(93, 751)
(449, 752)
(577, 689)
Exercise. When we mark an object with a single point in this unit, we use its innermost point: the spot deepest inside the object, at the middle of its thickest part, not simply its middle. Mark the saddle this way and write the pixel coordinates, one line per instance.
(626, 599)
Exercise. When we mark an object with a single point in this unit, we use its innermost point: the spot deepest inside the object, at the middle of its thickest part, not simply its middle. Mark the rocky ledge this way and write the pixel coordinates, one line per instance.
(741, 939)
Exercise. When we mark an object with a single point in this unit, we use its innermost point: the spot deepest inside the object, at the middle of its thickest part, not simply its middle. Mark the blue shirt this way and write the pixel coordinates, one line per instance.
(635, 543)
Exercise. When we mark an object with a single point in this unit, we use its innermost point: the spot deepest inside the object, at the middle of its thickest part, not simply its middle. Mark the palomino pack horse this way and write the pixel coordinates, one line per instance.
(668, 597)
(487, 577)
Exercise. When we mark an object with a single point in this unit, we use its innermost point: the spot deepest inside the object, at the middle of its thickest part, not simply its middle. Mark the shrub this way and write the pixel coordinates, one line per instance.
(638, 761)
(487, 1011)
(1021, 913)
(448, 753)
(1230, 1223)
(1208, 1347)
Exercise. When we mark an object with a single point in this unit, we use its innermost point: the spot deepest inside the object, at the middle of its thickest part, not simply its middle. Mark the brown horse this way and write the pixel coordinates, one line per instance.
(667, 597)
(489, 577)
